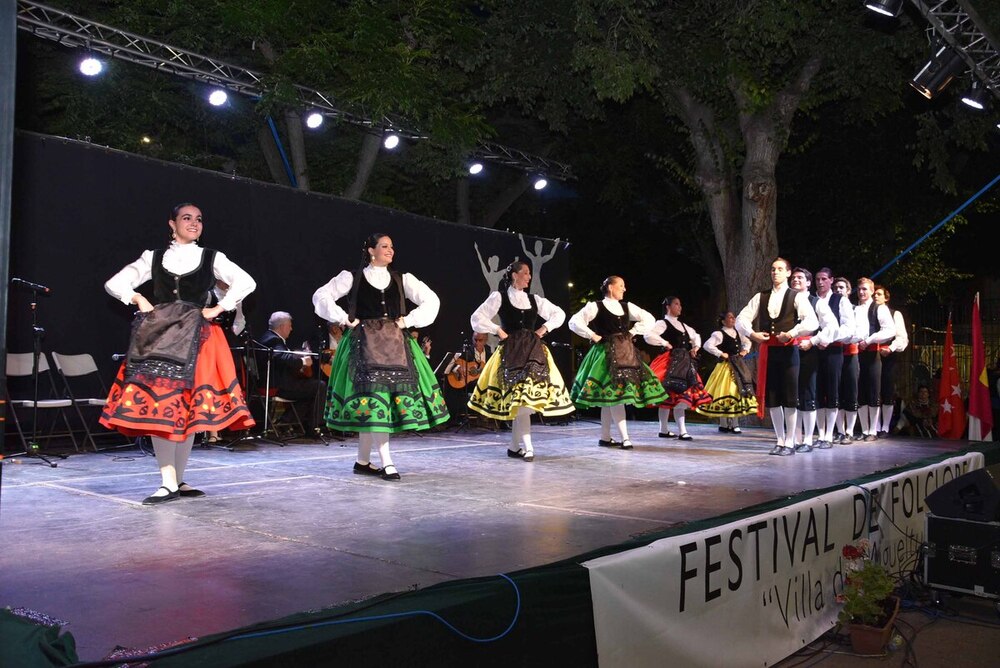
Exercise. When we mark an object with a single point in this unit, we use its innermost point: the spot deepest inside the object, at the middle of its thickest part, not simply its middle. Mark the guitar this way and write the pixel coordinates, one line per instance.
(464, 373)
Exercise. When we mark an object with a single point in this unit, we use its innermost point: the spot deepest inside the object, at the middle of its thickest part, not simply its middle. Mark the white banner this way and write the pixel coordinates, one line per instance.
(752, 592)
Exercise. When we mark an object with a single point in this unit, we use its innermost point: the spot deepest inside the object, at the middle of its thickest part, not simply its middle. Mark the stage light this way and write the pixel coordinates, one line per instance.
(944, 65)
(217, 97)
(146, 139)
(475, 168)
(391, 141)
(540, 183)
(885, 7)
(314, 120)
(91, 66)
(977, 97)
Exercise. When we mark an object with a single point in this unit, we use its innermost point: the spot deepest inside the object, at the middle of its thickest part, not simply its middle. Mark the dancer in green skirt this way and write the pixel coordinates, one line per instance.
(612, 375)
(380, 381)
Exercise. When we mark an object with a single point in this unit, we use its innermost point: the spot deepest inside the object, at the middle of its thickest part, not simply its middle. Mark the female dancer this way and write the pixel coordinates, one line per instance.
(890, 353)
(612, 375)
(380, 381)
(178, 378)
(678, 339)
(520, 377)
(731, 383)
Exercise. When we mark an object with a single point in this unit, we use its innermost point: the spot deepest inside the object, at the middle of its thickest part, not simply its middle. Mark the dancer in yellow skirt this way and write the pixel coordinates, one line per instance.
(731, 383)
(520, 377)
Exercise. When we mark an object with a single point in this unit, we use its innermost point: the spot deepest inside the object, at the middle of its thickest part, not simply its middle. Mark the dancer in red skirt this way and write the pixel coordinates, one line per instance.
(178, 378)
(675, 368)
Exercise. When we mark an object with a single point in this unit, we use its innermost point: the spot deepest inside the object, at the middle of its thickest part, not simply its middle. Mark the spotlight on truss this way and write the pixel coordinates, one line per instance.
(217, 97)
(475, 167)
(540, 183)
(391, 141)
(314, 120)
(91, 66)
(885, 7)
(937, 73)
(977, 97)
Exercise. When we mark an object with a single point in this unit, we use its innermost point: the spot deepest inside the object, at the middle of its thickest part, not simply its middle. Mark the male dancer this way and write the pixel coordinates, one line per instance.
(809, 357)
(876, 327)
(831, 357)
(848, 415)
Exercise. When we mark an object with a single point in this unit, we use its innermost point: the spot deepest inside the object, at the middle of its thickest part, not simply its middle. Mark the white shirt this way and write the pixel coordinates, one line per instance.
(847, 332)
(654, 336)
(803, 309)
(325, 298)
(578, 323)
(902, 340)
(182, 259)
(715, 340)
(829, 326)
(482, 318)
(887, 327)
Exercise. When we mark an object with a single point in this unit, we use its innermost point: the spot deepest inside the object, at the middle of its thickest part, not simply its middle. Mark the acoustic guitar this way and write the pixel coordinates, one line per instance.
(464, 373)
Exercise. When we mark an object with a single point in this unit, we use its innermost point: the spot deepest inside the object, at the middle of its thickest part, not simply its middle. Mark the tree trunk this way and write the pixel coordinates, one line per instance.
(297, 146)
(366, 163)
(271, 155)
(462, 201)
(503, 201)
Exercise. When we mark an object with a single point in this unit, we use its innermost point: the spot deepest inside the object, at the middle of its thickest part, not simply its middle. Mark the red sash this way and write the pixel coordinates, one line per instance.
(762, 367)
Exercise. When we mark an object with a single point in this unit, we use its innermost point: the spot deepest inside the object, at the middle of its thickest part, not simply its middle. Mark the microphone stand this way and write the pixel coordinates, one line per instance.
(252, 346)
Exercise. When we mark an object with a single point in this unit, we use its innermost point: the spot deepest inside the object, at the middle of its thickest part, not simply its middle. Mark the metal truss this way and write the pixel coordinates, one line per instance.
(957, 25)
(78, 32)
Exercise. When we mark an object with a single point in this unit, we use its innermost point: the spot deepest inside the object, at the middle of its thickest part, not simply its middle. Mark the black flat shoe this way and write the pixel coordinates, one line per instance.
(822, 445)
(781, 451)
(155, 500)
(515, 454)
(668, 434)
(626, 444)
(190, 492)
(685, 437)
(529, 456)
(389, 476)
(609, 444)
(366, 469)
(804, 447)
(725, 430)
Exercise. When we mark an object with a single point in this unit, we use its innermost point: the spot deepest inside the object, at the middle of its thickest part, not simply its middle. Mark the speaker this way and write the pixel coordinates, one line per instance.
(973, 496)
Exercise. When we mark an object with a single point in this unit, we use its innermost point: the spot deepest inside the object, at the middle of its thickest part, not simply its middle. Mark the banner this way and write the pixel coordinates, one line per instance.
(754, 591)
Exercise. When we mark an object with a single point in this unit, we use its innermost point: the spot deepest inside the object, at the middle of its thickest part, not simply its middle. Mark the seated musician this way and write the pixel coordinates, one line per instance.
(464, 367)
(291, 373)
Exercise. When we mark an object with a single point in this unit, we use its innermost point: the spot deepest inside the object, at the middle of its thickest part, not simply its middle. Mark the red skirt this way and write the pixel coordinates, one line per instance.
(694, 396)
(215, 401)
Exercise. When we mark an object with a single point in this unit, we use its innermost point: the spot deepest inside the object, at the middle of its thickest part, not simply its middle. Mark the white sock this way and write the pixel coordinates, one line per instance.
(821, 423)
(778, 422)
(841, 417)
(381, 441)
(866, 419)
(365, 441)
(664, 415)
(886, 417)
(791, 417)
(850, 419)
(164, 451)
(181, 454)
(605, 423)
(618, 417)
(831, 420)
(679, 417)
(808, 425)
(521, 430)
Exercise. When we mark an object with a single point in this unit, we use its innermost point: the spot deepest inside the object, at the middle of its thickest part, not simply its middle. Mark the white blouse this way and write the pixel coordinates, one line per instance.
(482, 318)
(182, 259)
(654, 336)
(578, 323)
(715, 340)
(325, 298)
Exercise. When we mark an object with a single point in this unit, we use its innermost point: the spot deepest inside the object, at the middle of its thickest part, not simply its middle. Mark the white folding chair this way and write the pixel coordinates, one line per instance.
(81, 378)
(21, 395)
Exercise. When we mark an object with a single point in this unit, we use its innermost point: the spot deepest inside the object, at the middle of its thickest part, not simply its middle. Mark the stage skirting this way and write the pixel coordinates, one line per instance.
(745, 589)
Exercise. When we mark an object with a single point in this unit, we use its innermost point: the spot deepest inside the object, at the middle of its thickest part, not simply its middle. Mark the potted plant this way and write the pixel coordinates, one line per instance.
(869, 607)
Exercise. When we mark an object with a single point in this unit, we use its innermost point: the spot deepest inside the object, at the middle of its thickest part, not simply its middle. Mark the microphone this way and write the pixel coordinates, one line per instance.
(118, 357)
(558, 344)
(28, 285)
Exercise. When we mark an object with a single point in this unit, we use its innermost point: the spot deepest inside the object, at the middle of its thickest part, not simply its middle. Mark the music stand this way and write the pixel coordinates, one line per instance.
(253, 346)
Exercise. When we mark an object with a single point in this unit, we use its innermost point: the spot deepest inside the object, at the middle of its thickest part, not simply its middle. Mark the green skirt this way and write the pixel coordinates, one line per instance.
(382, 410)
(594, 385)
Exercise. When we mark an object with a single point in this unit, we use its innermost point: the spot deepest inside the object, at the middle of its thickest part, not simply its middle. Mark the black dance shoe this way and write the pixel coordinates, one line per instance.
(190, 492)
(389, 476)
(366, 469)
(612, 443)
(781, 451)
(804, 447)
(667, 434)
(156, 500)
(515, 454)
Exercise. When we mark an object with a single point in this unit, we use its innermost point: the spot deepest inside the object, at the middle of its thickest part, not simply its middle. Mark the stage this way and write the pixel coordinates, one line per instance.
(291, 529)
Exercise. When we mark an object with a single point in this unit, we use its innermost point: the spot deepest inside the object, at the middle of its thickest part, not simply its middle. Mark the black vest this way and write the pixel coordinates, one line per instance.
(835, 306)
(677, 338)
(512, 318)
(730, 344)
(371, 303)
(607, 323)
(194, 286)
(786, 320)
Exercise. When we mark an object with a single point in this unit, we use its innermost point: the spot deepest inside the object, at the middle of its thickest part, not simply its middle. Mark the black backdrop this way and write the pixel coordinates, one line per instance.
(82, 212)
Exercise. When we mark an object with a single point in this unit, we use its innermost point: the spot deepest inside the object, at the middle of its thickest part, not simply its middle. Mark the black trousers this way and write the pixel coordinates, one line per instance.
(849, 383)
(782, 377)
(870, 378)
(888, 390)
(828, 372)
(808, 368)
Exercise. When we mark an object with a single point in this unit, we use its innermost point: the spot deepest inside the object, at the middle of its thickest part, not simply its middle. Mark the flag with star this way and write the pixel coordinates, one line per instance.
(980, 410)
(951, 409)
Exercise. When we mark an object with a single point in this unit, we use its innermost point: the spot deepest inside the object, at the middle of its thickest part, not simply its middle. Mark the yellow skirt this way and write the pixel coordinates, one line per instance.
(726, 398)
(492, 399)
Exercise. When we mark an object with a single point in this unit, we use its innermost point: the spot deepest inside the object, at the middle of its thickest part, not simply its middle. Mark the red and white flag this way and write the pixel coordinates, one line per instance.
(980, 411)
(951, 409)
